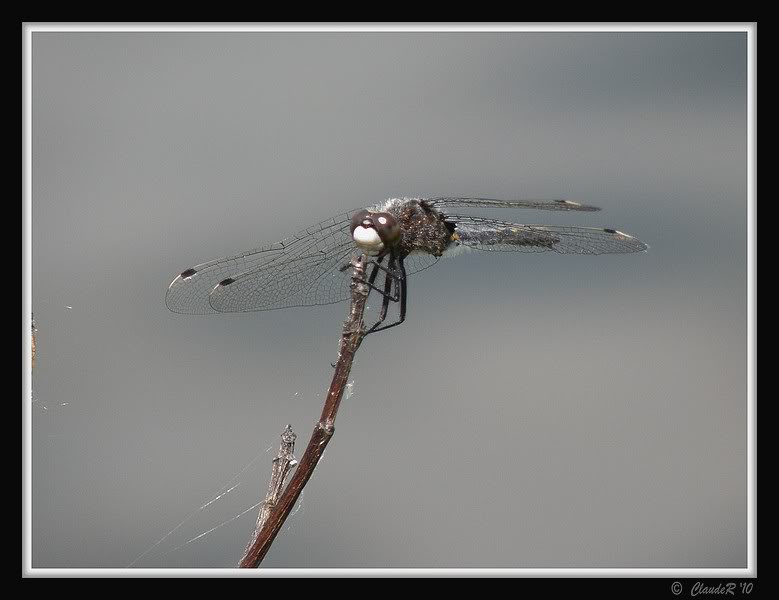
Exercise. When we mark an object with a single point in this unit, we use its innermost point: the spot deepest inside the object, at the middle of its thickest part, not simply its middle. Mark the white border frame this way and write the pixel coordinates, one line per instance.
(749, 28)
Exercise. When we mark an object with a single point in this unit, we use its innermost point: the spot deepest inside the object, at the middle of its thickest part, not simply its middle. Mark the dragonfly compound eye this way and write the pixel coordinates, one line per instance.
(358, 218)
(388, 228)
(365, 234)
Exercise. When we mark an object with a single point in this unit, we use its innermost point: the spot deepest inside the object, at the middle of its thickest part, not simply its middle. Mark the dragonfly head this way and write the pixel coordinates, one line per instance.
(374, 233)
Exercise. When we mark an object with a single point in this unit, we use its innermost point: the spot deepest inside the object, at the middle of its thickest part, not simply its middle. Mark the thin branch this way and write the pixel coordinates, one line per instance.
(351, 338)
(282, 465)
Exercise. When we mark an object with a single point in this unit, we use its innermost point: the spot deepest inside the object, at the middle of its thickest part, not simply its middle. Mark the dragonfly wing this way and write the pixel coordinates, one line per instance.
(502, 236)
(415, 263)
(313, 279)
(291, 272)
(560, 205)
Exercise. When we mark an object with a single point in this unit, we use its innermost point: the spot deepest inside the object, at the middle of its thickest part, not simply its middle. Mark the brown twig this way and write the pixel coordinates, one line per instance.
(282, 465)
(351, 338)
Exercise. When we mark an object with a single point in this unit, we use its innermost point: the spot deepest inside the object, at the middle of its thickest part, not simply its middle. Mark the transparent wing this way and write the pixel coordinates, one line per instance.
(419, 262)
(501, 236)
(312, 281)
(309, 280)
(565, 205)
(301, 270)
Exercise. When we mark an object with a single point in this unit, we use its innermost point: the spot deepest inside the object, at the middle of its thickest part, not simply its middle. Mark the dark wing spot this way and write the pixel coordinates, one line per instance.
(610, 230)
(227, 281)
(188, 273)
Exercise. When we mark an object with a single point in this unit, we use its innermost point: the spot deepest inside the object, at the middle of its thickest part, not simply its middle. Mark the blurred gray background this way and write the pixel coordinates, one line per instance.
(534, 410)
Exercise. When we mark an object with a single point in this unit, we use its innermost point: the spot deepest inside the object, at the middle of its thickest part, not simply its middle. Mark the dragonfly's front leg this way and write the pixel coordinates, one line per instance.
(377, 266)
(398, 276)
(391, 273)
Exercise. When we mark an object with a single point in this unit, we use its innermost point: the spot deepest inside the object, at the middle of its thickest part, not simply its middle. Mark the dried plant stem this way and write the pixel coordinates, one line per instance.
(282, 465)
(351, 338)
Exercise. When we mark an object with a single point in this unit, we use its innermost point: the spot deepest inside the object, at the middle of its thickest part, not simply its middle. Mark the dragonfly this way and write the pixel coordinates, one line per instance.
(399, 237)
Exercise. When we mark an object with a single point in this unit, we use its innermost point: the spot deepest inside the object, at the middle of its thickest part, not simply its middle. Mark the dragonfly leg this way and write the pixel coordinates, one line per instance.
(387, 292)
(376, 264)
(399, 277)
(403, 290)
(374, 271)
(390, 273)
